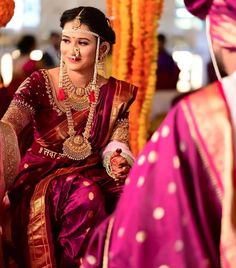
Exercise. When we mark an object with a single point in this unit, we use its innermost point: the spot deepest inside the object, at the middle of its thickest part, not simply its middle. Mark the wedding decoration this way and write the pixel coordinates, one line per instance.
(134, 57)
(6, 11)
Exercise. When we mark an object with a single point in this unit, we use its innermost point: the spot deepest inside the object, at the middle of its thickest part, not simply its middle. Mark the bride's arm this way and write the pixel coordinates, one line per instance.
(18, 115)
(9, 156)
(118, 147)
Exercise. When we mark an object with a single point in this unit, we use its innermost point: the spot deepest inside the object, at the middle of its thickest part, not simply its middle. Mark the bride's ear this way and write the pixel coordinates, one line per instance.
(104, 50)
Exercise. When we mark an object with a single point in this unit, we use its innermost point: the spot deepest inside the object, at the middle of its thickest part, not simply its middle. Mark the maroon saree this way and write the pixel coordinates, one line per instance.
(57, 201)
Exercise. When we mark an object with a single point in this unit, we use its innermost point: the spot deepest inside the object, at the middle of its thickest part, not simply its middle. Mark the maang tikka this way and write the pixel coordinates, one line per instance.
(77, 22)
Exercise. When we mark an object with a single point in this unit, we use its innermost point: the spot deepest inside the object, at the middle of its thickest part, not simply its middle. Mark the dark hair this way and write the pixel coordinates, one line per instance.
(94, 19)
(54, 34)
(26, 44)
(161, 38)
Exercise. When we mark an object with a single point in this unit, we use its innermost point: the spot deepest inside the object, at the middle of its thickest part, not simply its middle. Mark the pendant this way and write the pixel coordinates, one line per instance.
(77, 147)
(78, 103)
(80, 91)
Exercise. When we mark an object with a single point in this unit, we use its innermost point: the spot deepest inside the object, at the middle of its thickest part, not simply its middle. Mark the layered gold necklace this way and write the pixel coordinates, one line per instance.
(77, 147)
(78, 97)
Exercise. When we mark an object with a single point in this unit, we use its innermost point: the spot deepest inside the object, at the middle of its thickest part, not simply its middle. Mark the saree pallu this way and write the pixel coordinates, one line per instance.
(55, 201)
(176, 210)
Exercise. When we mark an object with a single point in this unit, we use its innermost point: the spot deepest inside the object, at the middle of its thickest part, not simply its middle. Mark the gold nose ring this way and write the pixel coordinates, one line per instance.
(77, 52)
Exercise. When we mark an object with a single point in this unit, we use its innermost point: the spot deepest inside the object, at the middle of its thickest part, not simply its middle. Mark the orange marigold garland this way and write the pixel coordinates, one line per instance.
(134, 57)
(109, 9)
(137, 71)
(6, 11)
(122, 71)
(117, 28)
(150, 63)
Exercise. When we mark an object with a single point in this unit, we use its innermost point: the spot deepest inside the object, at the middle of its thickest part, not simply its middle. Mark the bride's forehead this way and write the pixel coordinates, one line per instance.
(70, 24)
(82, 32)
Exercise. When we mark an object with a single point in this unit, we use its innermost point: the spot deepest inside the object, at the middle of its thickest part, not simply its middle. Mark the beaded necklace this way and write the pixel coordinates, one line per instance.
(78, 147)
(78, 97)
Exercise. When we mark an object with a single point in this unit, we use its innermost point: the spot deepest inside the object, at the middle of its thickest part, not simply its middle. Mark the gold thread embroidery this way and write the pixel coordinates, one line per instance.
(209, 139)
(121, 131)
(51, 92)
(222, 134)
(107, 243)
(10, 152)
(38, 242)
(18, 115)
(201, 152)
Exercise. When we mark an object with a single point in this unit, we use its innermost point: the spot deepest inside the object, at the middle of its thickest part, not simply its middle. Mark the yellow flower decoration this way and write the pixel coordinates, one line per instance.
(134, 58)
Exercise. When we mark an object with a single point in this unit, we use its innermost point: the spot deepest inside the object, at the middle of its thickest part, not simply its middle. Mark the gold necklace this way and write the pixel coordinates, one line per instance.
(78, 97)
(77, 147)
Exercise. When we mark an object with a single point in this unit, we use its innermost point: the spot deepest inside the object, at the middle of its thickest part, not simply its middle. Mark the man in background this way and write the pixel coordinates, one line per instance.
(167, 69)
(51, 54)
(23, 66)
(178, 207)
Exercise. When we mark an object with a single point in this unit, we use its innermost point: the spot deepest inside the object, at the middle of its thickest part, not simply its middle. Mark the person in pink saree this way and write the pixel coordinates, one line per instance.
(67, 176)
(178, 206)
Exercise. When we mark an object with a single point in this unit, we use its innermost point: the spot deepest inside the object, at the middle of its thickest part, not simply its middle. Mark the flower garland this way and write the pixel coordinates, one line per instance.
(138, 67)
(134, 57)
(116, 48)
(6, 11)
(122, 71)
(120, 56)
(150, 61)
(109, 9)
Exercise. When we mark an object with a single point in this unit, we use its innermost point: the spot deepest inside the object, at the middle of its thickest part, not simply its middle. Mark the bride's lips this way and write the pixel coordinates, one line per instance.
(73, 59)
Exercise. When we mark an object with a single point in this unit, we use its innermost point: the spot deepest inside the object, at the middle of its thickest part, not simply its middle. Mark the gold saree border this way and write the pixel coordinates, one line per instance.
(214, 135)
(121, 98)
(217, 148)
(105, 259)
(38, 241)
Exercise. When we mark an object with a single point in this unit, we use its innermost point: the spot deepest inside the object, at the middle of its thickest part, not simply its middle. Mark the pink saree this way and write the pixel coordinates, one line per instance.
(55, 201)
(177, 206)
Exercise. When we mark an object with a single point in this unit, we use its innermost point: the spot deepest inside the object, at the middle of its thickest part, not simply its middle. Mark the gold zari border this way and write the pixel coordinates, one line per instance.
(216, 144)
(39, 246)
(213, 126)
(9, 153)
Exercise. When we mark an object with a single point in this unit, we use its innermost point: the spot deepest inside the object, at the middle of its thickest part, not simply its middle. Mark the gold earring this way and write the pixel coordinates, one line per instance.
(101, 67)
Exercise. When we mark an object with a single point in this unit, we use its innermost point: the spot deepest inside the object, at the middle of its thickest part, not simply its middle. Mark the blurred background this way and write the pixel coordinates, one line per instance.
(31, 41)
(185, 36)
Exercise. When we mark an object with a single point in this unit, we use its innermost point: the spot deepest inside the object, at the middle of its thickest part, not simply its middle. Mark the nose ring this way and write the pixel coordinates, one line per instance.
(77, 52)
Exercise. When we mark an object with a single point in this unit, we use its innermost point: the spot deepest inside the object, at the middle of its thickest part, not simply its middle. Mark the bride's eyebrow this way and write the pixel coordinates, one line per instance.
(80, 38)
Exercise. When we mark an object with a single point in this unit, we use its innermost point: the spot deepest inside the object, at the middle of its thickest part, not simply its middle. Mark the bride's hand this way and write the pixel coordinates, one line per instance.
(119, 165)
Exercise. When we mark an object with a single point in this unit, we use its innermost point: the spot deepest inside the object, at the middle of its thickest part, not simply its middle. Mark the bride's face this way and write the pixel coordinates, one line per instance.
(78, 49)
